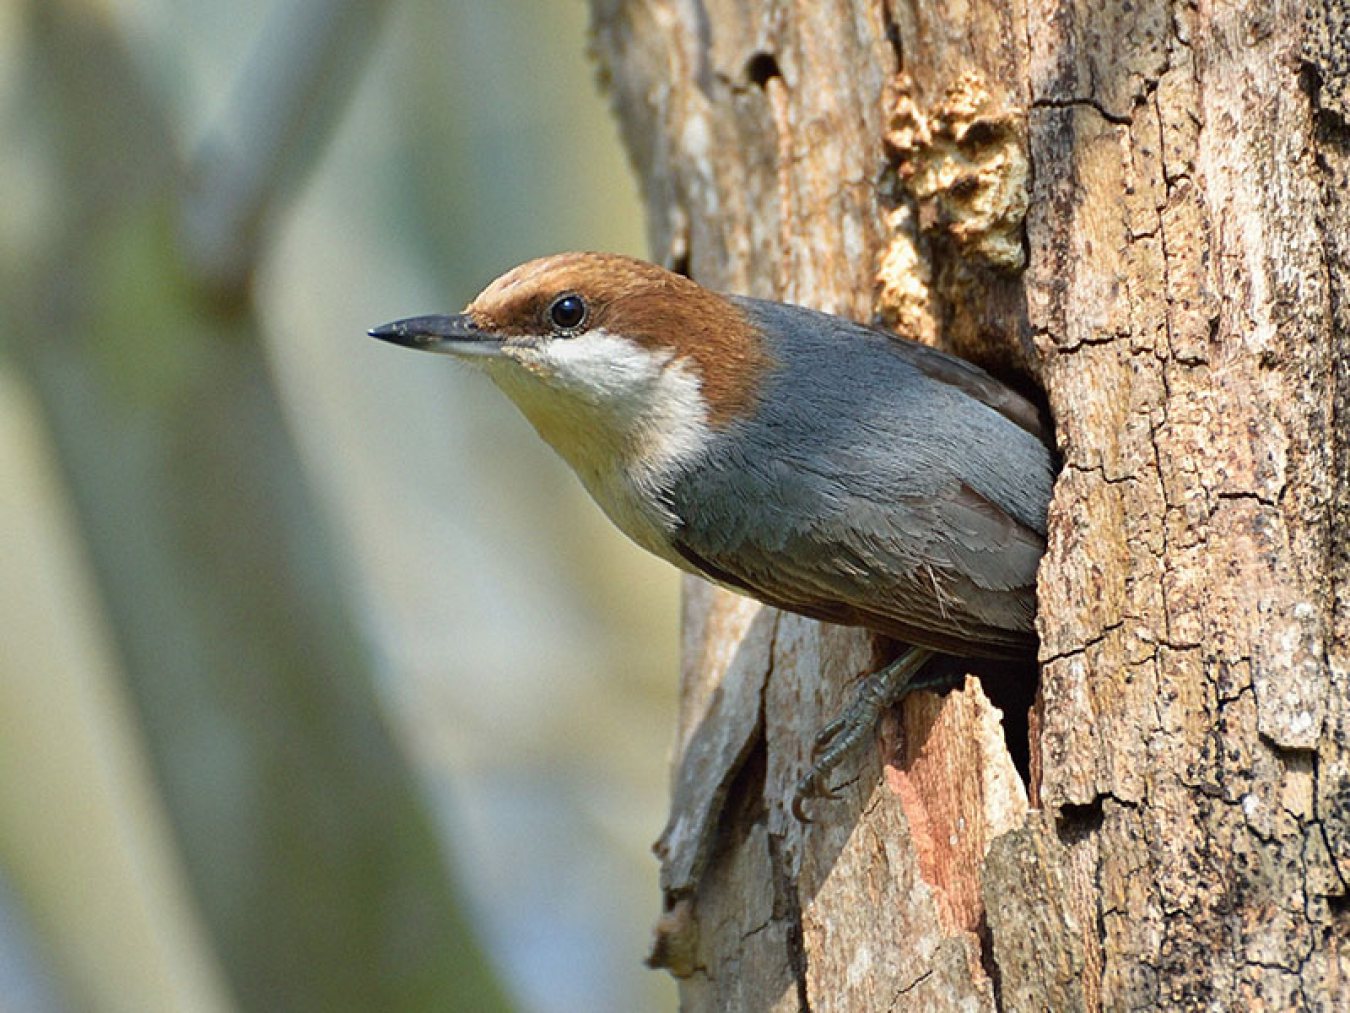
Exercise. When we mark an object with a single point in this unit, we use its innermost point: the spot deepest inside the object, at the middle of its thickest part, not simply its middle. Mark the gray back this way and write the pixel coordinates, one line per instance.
(880, 483)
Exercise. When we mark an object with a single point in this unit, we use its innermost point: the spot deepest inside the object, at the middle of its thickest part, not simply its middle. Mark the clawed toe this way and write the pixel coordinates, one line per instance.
(811, 786)
(814, 784)
(798, 802)
(827, 735)
(843, 736)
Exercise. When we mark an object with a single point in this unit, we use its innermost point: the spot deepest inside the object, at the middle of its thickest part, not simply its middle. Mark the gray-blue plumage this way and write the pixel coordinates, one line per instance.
(880, 483)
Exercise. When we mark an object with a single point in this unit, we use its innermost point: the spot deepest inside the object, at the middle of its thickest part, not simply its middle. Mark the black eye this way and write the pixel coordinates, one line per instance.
(568, 312)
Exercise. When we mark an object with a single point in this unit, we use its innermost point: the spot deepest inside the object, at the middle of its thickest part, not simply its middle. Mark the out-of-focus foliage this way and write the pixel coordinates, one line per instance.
(319, 679)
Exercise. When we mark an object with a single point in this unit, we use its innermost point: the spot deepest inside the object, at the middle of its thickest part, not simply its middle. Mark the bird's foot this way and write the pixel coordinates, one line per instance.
(845, 734)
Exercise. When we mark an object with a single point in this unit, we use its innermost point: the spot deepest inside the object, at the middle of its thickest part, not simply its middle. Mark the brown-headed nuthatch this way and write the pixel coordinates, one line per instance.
(815, 464)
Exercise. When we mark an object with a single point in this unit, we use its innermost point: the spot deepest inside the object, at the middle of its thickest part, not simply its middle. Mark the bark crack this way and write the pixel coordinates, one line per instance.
(893, 36)
(1098, 637)
(1319, 824)
(1083, 102)
(776, 91)
(787, 907)
(904, 990)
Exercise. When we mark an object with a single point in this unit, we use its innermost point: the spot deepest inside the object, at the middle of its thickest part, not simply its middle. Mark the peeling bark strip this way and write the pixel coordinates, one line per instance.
(1185, 305)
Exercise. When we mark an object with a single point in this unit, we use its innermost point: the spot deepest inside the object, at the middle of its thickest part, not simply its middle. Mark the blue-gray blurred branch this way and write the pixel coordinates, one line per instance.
(292, 91)
(305, 838)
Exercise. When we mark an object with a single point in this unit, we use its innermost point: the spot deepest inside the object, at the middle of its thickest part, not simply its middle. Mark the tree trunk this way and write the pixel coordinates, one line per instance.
(1142, 209)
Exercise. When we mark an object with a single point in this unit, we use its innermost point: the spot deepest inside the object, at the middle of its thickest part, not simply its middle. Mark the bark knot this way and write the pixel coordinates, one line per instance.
(964, 161)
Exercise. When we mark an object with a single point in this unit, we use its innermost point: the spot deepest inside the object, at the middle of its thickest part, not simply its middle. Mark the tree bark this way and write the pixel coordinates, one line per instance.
(1143, 210)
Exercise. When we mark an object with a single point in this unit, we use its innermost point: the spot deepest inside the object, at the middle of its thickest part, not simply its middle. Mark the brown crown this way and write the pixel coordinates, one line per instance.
(646, 304)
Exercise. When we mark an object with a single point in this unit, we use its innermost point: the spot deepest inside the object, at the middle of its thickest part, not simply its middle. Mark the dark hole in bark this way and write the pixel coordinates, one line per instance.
(1339, 906)
(762, 67)
(986, 937)
(1076, 822)
(1011, 687)
(745, 806)
(980, 134)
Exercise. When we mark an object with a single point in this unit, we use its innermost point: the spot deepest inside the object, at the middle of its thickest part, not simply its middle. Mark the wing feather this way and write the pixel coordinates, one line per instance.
(912, 503)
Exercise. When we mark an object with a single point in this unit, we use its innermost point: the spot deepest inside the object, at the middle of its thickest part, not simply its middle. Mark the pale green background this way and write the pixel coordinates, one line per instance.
(524, 653)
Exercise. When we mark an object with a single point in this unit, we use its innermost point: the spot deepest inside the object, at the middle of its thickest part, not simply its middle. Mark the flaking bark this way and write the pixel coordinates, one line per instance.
(1182, 836)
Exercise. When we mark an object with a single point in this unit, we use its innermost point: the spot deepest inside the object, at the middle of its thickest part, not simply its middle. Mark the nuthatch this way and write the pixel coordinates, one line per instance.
(809, 462)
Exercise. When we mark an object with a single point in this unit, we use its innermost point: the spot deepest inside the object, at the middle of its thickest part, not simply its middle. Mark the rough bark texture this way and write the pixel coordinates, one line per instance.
(1143, 208)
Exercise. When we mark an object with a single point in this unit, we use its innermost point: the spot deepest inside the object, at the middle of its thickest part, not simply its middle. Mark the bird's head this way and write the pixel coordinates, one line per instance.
(605, 354)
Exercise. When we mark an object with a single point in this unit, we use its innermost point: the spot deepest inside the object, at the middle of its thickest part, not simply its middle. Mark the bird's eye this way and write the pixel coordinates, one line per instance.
(568, 312)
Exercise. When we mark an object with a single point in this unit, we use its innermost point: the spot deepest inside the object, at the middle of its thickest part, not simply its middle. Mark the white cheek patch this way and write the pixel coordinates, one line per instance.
(678, 423)
(613, 389)
(623, 416)
(599, 367)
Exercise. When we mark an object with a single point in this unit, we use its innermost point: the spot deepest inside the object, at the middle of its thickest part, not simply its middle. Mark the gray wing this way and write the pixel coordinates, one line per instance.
(868, 491)
(937, 365)
(946, 572)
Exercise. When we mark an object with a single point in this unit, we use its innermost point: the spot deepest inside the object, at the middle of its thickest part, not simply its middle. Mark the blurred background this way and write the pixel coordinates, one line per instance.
(322, 684)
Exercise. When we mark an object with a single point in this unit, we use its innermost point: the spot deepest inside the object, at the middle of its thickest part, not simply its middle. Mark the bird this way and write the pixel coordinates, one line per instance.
(816, 464)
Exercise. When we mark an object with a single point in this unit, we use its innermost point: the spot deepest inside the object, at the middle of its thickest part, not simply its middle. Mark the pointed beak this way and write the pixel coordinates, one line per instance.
(456, 334)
